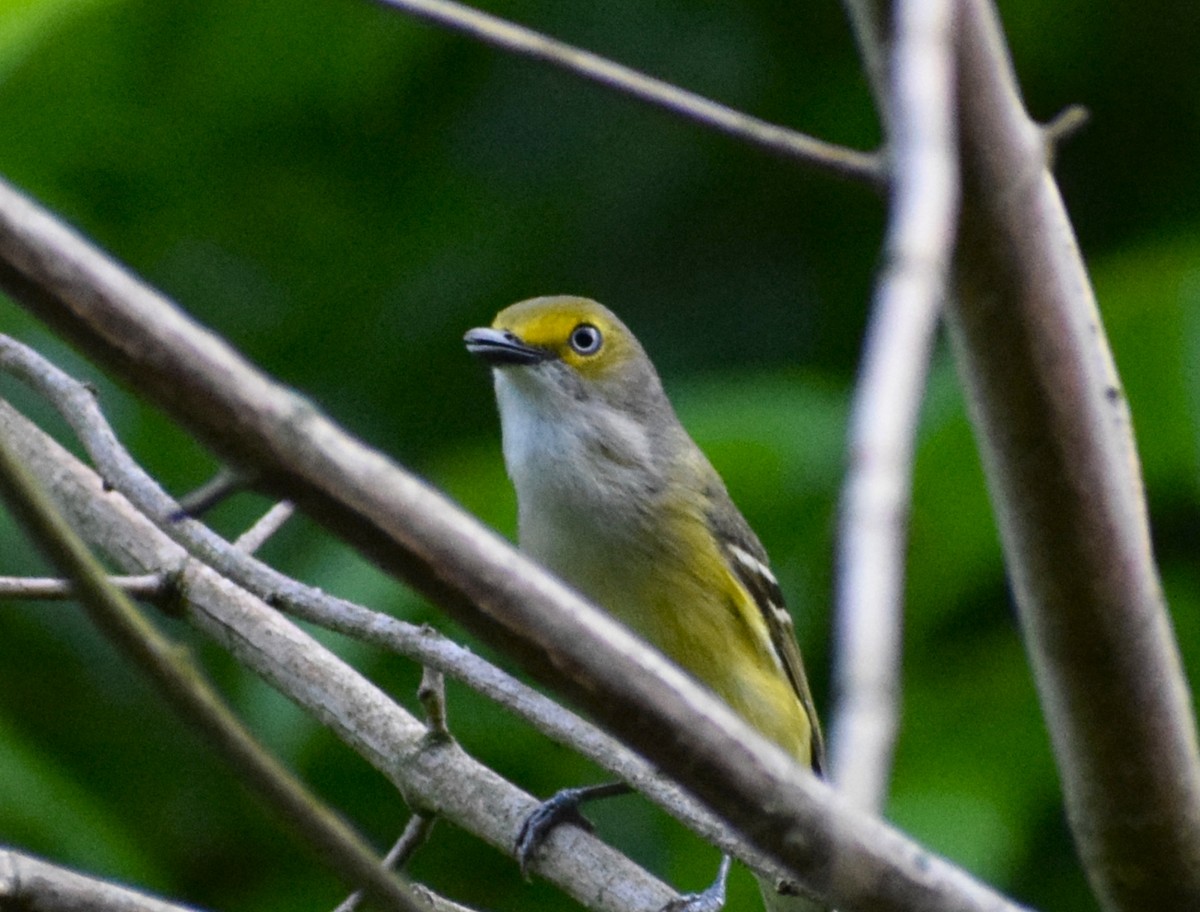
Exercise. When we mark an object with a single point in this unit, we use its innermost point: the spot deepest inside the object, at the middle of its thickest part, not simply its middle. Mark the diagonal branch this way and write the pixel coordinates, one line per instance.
(27, 882)
(268, 524)
(517, 39)
(416, 833)
(868, 22)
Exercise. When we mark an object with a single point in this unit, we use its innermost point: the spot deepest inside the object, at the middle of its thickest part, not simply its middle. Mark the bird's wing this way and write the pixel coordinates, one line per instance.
(748, 560)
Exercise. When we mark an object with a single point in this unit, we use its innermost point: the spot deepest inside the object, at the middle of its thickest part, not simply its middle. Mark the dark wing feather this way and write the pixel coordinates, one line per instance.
(748, 559)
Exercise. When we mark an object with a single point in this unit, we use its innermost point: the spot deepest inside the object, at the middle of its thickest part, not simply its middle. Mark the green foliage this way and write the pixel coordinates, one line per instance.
(342, 192)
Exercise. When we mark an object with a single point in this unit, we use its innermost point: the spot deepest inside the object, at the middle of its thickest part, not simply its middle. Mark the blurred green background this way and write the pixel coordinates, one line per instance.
(342, 191)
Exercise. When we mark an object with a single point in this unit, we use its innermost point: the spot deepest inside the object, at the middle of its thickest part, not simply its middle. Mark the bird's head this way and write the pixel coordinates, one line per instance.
(571, 348)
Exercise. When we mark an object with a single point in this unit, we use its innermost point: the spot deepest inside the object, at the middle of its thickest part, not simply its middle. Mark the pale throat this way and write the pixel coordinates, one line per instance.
(580, 471)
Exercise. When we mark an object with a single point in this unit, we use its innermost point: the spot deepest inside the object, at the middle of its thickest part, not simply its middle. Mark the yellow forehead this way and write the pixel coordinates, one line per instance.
(548, 323)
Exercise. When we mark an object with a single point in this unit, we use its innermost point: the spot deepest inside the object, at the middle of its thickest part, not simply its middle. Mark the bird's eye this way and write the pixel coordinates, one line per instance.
(586, 339)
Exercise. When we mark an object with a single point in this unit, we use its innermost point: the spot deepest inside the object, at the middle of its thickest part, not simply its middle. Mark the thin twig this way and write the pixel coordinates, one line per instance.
(517, 39)
(416, 832)
(223, 485)
(268, 524)
(1065, 124)
(868, 22)
(149, 587)
(875, 500)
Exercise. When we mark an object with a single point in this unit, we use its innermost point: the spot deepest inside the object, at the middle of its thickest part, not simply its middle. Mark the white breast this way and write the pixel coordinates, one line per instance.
(580, 472)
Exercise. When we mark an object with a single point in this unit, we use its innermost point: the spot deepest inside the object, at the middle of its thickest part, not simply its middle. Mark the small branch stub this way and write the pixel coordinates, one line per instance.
(1060, 128)
(432, 694)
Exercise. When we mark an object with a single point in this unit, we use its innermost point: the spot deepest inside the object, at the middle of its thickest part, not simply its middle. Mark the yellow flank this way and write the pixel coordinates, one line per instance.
(710, 625)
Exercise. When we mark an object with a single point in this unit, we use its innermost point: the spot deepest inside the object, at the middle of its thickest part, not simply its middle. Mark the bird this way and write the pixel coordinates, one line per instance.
(615, 498)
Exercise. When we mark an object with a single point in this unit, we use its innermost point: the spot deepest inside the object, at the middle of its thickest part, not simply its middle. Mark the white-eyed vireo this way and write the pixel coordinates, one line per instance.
(615, 498)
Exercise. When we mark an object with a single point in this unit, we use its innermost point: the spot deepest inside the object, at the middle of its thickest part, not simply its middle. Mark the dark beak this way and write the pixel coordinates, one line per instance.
(500, 348)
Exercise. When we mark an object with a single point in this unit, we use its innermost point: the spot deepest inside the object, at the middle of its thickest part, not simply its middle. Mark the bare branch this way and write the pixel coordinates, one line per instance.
(517, 39)
(223, 485)
(30, 883)
(883, 427)
(149, 587)
(182, 683)
(415, 834)
(868, 22)
(268, 524)
(844, 856)
(1055, 435)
